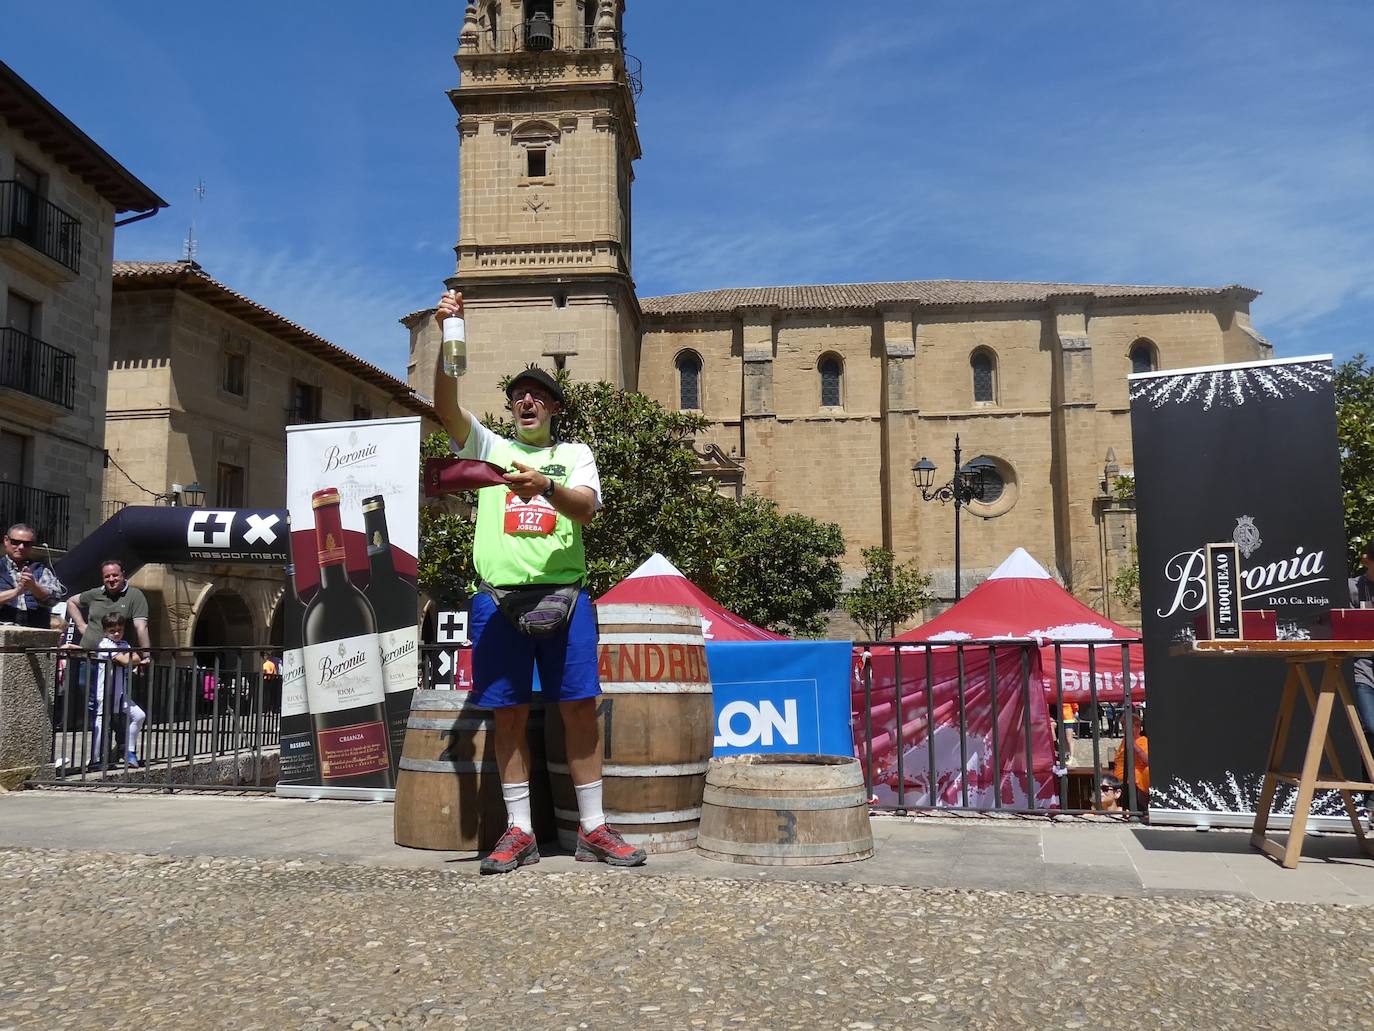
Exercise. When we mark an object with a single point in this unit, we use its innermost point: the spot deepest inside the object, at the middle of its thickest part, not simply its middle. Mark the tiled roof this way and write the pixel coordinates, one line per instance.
(190, 277)
(923, 292)
(29, 112)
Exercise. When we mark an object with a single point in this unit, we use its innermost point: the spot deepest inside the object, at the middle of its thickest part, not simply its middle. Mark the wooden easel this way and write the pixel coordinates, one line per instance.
(1331, 691)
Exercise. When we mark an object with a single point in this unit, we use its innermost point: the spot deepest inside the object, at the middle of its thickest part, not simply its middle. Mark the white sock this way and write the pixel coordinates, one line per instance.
(517, 799)
(589, 805)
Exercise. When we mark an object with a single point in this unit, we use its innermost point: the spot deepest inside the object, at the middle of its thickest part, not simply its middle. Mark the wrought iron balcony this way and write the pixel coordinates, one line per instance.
(48, 513)
(32, 218)
(36, 368)
(301, 416)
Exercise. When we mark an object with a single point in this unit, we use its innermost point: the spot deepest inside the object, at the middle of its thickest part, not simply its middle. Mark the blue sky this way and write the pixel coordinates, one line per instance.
(1170, 142)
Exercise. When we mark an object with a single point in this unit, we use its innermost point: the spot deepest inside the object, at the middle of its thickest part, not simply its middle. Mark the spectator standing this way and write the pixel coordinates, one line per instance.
(28, 588)
(117, 596)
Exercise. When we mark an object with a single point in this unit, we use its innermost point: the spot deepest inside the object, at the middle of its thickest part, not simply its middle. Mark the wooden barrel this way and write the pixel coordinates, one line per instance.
(448, 788)
(657, 728)
(785, 810)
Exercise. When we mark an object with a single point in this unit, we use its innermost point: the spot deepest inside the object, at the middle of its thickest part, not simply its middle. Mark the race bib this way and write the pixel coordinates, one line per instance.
(535, 518)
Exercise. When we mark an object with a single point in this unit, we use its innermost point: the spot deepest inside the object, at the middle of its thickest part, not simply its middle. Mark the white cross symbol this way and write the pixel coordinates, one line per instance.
(260, 529)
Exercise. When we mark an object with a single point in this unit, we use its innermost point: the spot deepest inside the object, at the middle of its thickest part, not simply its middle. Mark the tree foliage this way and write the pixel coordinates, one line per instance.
(778, 570)
(1355, 429)
(888, 595)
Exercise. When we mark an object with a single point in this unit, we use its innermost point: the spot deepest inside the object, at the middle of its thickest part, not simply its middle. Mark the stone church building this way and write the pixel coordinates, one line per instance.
(820, 397)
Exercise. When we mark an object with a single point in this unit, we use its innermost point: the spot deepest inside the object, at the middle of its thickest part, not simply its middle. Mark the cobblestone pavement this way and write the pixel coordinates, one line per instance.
(128, 941)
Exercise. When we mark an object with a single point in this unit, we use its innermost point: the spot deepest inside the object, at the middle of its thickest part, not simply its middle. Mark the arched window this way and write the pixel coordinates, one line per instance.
(489, 22)
(983, 365)
(832, 373)
(1143, 358)
(689, 381)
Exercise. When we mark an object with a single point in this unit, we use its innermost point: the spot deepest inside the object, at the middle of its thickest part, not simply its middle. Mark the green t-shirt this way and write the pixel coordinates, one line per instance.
(517, 542)
(130, 603)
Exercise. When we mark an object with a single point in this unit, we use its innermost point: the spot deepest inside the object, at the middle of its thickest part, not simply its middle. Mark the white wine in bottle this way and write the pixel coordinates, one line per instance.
(455, 341)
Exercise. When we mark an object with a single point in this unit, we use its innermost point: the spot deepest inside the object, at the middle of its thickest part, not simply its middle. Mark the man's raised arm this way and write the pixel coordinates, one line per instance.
(457, 420)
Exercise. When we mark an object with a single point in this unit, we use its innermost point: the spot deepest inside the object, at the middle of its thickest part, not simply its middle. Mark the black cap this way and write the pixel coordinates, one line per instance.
(535, 374)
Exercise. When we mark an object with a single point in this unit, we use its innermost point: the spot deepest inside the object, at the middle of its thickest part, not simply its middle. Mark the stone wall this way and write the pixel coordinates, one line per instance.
(64, 446)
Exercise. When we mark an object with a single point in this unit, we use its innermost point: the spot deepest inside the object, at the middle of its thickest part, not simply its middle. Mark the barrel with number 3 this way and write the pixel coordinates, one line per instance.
(657, 723)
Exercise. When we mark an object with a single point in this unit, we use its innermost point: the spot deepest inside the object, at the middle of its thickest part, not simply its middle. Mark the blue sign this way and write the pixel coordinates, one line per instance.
(781, 696)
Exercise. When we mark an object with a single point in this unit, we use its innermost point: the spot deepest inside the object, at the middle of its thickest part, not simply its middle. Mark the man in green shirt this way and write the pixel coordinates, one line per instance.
(528, 551)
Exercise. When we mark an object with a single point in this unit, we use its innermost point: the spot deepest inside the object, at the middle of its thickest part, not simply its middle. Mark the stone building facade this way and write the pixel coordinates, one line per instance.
(827, 395)
(820, 397)
(60, 195)
(202, 385)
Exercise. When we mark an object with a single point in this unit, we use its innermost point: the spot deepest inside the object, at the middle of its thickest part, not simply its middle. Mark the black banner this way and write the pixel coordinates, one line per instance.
(144, 535)
(1243, 453)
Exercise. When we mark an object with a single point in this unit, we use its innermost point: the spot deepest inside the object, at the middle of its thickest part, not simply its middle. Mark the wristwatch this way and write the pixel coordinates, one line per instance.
(547, 492)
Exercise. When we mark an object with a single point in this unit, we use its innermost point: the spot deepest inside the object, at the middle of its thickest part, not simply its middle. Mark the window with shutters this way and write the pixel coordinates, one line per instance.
(229, 486)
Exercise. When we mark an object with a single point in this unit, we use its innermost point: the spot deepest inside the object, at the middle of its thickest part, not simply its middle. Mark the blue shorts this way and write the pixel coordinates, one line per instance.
(503, 658)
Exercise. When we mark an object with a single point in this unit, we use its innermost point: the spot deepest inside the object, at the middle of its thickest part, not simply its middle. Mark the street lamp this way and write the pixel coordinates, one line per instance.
(195, 494)
(967, 484)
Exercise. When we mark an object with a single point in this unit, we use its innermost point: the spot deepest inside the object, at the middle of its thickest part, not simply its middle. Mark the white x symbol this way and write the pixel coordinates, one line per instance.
(260, 529)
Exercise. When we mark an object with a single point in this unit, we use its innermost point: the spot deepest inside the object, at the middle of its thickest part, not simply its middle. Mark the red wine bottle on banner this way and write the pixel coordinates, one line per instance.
(343, 666)
(396, 604)
(297, 734)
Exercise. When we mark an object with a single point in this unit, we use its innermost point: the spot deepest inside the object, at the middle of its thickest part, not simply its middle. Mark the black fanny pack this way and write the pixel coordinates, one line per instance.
(538, 610)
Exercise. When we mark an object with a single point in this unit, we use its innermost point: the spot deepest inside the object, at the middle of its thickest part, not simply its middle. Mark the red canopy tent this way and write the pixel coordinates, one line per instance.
(659, 581)
(1021, 600)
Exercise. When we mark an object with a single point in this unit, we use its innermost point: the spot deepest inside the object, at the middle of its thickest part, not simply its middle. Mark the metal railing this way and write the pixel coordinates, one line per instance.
(969, 725)
(49, 513)
(545, 37)
(28, 216)
(210, 719)
(296, 416)
(110, 509)
(37, 368)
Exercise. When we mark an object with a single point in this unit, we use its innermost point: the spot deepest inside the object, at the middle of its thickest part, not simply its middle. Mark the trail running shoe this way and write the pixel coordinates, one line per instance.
(514, 850)
(605, 845)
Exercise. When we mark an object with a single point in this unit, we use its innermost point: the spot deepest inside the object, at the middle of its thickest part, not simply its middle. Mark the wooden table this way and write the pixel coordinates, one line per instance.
(1331, 691)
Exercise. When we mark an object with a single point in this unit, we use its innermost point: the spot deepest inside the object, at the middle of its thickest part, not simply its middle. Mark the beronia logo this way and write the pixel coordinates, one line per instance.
(400, 651)
(338, 458)
(1187, 572)
(330, 670)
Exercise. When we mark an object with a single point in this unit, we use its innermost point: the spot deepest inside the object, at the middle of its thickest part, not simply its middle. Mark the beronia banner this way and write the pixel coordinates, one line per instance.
(1245, 455)
(351, 640)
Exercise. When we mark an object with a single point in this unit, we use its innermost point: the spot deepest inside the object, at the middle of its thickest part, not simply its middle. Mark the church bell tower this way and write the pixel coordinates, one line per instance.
(547, 145)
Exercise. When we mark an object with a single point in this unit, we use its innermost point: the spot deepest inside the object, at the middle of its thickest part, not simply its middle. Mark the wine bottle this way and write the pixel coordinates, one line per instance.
(297, 739)
(455, 341)
(396, 604)
(343, 665)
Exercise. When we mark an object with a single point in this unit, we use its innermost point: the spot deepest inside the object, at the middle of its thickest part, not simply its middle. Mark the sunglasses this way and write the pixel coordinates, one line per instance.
(1110, 787)
(18, 541)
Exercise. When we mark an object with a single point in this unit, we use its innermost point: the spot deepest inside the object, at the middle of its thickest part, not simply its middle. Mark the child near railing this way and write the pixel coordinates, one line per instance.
(113, 683)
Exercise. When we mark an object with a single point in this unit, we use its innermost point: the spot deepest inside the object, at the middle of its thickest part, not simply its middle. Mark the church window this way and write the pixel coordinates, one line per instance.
(984, 368)
(994, 484)
(832, 372)
(689, 381)
(1143, 357)
(538, 159)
